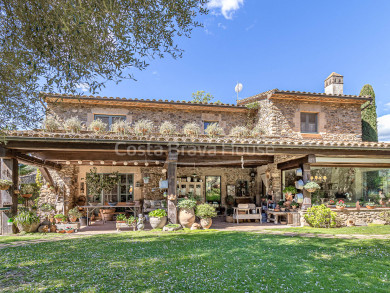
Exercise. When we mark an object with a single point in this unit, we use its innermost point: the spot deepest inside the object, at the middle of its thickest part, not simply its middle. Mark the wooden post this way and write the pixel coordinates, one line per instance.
(306, 178)
(9, 171)
(172, 187)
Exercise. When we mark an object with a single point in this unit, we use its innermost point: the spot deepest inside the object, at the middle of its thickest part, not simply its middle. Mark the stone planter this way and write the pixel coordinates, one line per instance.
(229, 219)
(186, 217)
(28, 228)
(206, 223)
(158, 223)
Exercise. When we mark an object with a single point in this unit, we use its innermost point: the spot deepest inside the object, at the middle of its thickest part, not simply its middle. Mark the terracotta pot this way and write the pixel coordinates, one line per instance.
(70, 231)
(229, 219)
(186, 217)
(294, 207)
(340, 208)
(4, 187)
(370, 207)
(158, 223)
(26, 195)
(58, 220)
(73, 219)
(206, 223)
(29, 228)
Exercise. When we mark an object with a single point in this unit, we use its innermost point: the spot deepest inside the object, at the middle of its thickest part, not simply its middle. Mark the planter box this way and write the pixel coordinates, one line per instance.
(75, 226)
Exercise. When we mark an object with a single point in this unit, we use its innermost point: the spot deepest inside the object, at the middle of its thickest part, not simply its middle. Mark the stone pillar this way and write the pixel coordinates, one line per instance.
(306, 178)
(172, 187)
(9, 171)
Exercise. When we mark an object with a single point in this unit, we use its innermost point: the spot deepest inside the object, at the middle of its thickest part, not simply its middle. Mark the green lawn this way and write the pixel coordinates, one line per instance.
(367, 230)
(197, 262)
(29, 236)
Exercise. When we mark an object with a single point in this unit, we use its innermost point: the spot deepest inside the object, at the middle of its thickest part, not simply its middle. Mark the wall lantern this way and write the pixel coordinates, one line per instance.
(102, 162)
(125, 163)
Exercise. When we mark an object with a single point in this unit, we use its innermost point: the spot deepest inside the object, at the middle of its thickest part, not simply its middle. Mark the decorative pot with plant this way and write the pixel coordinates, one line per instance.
(51, 124)
(60, 218)
(121, 218)
(370, 205)
(214, 130)
(311, 186)
(74, 214)
(206, 212)
(143, 127)
(97, 126)
(158, 218)
(5, 184)
(27, 221)
(121, 127)
(27, 190)
(191, 129)
(186, 212)
(294, 205)
(230, 200)
(72, 125)
(289, 191)
(132, 222)
(281, 205)
(69, 230)
(167, 128)
(239, 132)
(340, 205)
(330, 203)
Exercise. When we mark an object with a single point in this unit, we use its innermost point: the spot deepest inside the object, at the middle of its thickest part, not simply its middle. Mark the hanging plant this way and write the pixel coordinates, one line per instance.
(5, 184)
(143, 127)
(191, 129)
(258, 131)
(51, 124)
(121, 127)
(290, 190)
(73, 125)
(214, 130)
(239, 131)
(167, 128)
(97, 126)
(311, 186)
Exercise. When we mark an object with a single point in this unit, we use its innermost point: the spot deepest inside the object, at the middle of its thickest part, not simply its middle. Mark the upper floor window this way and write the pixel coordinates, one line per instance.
(309, 122)
(207, 124)
(110, 119)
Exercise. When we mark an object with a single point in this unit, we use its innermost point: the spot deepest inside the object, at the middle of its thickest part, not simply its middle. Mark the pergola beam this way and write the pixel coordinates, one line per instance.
(296, 163)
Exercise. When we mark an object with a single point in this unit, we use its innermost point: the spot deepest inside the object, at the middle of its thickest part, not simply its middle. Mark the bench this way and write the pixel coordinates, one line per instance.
(243, 212)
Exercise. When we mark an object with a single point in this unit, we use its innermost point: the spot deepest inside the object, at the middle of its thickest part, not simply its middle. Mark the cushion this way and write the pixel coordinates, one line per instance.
(243, 206)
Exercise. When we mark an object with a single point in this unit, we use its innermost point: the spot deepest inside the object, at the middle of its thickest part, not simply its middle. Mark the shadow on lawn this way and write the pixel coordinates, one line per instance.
(206, 262)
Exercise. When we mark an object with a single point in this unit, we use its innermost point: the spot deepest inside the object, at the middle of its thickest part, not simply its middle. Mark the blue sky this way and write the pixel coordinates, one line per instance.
(289, 45)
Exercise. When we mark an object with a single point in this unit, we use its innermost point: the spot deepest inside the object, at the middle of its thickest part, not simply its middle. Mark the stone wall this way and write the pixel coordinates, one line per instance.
(362, 216)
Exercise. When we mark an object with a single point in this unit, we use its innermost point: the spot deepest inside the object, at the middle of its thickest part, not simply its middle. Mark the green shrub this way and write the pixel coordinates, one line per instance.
(385, 216)
(186, 204)
(205, 211)
(26, 218)
(159, 213)
(290, 189)
(121, 217)
(320, 217)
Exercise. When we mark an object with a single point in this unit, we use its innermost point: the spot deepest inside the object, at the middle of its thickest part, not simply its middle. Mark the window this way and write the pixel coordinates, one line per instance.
(110, 119)
(309, 122)
(123, 192)
(213, 189)
(207, 124)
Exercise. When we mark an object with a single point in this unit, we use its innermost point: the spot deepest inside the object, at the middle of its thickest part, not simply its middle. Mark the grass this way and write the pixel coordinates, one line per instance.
(363, 230)
(197, 262)
(29, 236)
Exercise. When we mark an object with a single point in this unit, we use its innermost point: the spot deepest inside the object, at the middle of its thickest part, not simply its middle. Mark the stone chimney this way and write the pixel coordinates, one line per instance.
(334, 84)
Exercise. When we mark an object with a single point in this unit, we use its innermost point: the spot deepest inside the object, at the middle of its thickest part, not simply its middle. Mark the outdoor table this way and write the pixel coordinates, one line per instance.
(277, 215)
(91, 208)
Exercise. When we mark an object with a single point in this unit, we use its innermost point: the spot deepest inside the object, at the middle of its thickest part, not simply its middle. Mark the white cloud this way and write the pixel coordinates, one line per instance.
(220, 25)
(228, 7)
(387, 105)
(384, 128)
(83, 86)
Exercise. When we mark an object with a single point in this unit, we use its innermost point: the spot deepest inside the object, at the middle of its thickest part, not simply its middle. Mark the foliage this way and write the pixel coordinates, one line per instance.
(97, 183)
(186, 204)
(257, 131)
(158, 213)
(281, 203)
(294, 204)
(205, 211)
(239, 131)
(290, 189)
(320, 217)
(331, 202)
(341, 203)
(385, 216)
(143, 127)
(121, 127)
(369, 116)
(27, 189)
(201, 97)
(191, 129)
(121, 217)
(61, 217)
(26, 169)
(51, 124)
(214, 130)
(72, 125)
(213, 195)
(5, 182)
(311, 185)
(26, 218)
(167, 128)
(46, 207)
(75, 213)
(131, 221)
(38, 179)
(60, 46)
(97, 126)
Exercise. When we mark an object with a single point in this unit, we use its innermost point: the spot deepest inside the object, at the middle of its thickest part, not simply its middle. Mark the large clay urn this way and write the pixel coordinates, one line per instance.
(157, 223)
(186, 217)
(206, 223)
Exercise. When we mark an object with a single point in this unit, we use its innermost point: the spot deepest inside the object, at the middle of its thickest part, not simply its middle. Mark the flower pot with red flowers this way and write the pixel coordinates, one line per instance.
(340, 205)
(370, 205)
(60, 218)
(330, 203)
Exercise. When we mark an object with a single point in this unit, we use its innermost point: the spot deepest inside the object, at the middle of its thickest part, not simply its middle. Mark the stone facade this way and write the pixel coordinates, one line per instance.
(363, 216)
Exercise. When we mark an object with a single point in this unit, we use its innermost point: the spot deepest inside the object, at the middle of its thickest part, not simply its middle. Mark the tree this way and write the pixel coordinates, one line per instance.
(369, 116)
(58, 45)
(203, 97)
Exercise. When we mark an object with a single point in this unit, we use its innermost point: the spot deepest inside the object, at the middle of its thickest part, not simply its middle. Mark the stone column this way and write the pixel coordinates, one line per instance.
(172, 187)
(9, 171)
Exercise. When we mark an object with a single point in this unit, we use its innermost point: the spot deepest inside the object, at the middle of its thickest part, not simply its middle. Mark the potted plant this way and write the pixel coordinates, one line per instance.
(370, 205)
(167, 128)
(186, 212)
(340, 205)
(74, 214)
(294, 205)
(121, 218)
(69, 230)
(289, 191)
(230, 200)
(51, 125)
(311, 186)
(330, 203)
(143, 127)
(239, 132)
(132, 222)
(158, 218)
(60, 218)
(281, 205)
(121, 127)
(191, 129)
(5, 184)
(257, 131)
(214, 130)
(206, 212)
(72, 125)
(27, 190)
(97, 126)
(27, 221)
